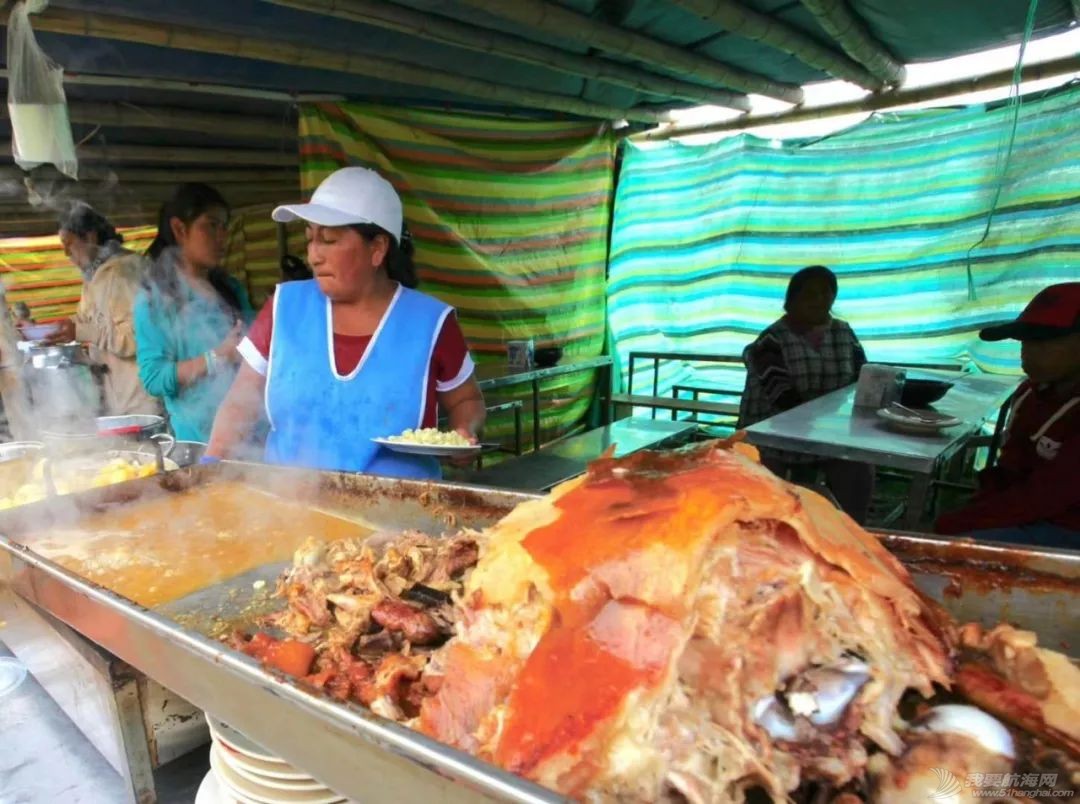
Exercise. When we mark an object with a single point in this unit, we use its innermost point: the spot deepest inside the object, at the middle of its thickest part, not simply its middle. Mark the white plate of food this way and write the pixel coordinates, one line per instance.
(917, 421)
(429, 441)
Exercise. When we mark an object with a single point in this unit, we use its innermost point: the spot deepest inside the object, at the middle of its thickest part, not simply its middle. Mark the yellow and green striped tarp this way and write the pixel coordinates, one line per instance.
(509, 217)
(34, 270)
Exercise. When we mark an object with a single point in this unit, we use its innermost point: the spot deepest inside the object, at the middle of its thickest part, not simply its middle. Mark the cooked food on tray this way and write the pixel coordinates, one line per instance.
(677, 626)
(432, 437)
(165, 546)
(74, 475)
(362, 615)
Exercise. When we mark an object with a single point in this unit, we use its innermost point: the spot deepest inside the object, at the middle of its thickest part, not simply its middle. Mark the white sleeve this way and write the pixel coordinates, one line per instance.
(250, 353)
(466, 371)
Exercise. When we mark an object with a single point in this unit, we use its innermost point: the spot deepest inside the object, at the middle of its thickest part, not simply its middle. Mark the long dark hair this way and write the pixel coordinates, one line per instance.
(81, 220)
(399, 256)
(187, 203)
(805, 276)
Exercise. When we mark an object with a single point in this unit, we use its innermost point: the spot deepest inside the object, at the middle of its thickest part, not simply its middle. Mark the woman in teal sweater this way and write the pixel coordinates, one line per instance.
(190, 315)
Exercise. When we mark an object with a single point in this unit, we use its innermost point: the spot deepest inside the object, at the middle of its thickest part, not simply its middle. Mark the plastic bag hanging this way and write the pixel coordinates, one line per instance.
(40, 129)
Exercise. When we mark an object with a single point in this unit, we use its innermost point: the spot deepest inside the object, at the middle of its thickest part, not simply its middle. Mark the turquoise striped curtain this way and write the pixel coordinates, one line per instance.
(705, 237)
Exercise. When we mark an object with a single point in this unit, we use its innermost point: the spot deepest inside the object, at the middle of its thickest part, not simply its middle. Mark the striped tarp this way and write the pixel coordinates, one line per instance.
(253, 254)
(510, 220)
(34, 270)
(705, 237)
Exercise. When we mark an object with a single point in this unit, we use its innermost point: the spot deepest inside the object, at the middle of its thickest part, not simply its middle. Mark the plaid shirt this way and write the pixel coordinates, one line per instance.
(786, 368)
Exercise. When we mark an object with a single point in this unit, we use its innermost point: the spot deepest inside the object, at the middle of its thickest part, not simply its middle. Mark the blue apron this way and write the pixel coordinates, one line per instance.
(322, 420)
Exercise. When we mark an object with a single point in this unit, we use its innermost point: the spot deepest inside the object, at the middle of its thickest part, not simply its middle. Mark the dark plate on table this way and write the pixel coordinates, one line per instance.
(547, 356)
(923, 393)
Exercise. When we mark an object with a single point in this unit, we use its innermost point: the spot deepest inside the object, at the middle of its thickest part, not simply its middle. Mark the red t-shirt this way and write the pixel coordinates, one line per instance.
(451, 364)
(1037, 476)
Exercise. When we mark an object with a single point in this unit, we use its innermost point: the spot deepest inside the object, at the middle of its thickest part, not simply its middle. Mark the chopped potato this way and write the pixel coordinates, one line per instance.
(117, 470)
(431, 437)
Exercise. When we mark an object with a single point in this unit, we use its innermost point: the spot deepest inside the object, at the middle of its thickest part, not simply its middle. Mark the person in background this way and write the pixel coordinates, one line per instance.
(12, 389)
(805, 354)
(1032, 495)
(190, 315)
(111, 279)
(355, 353)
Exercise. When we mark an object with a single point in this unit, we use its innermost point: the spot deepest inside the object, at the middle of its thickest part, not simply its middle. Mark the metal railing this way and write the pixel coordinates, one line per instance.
(686, 357)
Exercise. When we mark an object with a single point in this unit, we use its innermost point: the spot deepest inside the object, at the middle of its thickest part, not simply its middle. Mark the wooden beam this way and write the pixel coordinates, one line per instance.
(126, 175)
(871, 103)
(558, 21)
(317, 57)
(188, 87)
(848, 30)
(750, 24)
(97, 193)
(35, 225)
(132, 116)
(172, 155)
(437, 28)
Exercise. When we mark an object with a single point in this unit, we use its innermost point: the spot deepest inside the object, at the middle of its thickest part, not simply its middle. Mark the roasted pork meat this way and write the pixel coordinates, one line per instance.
(367, 611)
(683, 626)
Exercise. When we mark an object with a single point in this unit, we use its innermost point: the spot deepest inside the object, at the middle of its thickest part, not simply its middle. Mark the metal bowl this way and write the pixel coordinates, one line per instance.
(547, 356)
(922, 393)
(14, 450)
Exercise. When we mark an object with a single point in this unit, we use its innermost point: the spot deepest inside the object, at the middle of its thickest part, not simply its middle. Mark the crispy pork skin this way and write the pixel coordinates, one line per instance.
(683, 625)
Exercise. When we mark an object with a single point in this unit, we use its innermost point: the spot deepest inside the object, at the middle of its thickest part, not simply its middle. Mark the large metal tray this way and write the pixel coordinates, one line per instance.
(345, 746)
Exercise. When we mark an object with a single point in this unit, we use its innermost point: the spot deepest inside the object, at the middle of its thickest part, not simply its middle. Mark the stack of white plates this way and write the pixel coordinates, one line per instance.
(242, 772)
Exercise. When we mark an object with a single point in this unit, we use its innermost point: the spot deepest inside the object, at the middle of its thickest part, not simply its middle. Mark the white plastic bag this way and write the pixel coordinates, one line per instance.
(40, 129)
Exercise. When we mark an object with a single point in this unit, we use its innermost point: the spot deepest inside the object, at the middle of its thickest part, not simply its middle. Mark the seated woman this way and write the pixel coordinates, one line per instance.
(190, 315)
(1032, 495)
(355, 353)
(804, 355)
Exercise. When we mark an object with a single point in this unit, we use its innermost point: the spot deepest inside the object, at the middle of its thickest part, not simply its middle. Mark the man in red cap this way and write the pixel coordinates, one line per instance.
(1032, 495)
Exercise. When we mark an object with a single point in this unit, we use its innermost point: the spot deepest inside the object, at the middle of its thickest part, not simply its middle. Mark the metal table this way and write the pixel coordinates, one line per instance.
(491, 377)
(831, 427)
(540, 471)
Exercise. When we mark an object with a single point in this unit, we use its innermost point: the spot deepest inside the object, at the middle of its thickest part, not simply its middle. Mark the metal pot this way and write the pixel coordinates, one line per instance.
(61, 383)
(110, 433)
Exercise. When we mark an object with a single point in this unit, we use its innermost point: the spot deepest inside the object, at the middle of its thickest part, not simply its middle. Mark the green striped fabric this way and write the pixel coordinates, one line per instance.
(252, 253)
(705, 237)
(509, 217)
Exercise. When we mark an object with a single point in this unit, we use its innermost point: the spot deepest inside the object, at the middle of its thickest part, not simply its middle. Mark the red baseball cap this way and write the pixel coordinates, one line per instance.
(1054, 312)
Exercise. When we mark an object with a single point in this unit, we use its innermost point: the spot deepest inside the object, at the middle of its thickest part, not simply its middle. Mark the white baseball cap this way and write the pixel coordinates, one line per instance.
(346, 196)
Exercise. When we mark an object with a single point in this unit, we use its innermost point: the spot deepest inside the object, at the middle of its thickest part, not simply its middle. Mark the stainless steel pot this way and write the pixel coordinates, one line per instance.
(110, 433)
(61, 383)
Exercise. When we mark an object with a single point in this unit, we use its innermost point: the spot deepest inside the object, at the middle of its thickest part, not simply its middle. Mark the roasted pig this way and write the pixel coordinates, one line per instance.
(683, 626)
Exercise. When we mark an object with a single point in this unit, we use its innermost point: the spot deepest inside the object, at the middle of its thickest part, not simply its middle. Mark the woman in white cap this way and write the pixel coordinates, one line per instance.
(355, 353)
